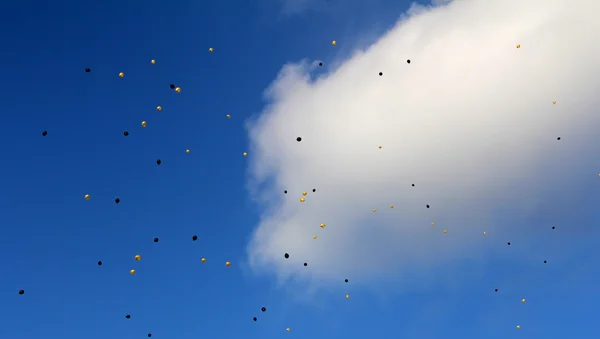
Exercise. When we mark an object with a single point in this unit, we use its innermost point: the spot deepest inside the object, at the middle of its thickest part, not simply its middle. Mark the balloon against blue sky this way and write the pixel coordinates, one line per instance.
(339, 169)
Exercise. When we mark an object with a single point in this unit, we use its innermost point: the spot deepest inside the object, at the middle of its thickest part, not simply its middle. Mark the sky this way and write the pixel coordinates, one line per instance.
(463, 142)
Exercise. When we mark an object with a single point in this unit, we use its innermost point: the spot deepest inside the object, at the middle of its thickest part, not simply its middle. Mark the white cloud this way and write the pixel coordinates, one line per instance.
(470, 122)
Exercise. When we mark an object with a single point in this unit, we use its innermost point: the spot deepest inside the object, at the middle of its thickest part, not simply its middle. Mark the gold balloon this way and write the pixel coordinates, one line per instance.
(333, 43)
(315, 237)
(347, 296)
(178, 89)
(554, 102)
(228, 264)
(159, 108)
(203, 260)
(432, 223)
(380, 147)
(132, 272)
(87, 197)
(302, 200)
(391, 206)
(518, 327)
(121, 75)
(518, 46)
(322, 225)
(187, 151)
(445, 232)
(143, 124)
(374, 210)
(304, 193)
(523, 300)
(137, 257)
(153, 61)
(211, 50)
(484, 233)
(228, 116)
(288, 329)
(245, 154)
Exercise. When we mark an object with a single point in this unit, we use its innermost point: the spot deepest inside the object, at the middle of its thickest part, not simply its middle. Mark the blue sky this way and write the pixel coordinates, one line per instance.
(52, 238)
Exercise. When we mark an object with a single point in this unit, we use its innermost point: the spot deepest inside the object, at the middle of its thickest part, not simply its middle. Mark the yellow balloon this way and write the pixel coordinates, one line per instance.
(518, 46)
(121, 74)
(391, 206)
(304, 193)
(288, 329)
(347, 296)
(159, 108)
(138, 257)
(333, 43)
(380, 147)
(554, 102)
(518, 326)
(484, 233)
(523, 300)
(432, 223)
(228, 116)
(178, 89)
(187, 151)
(203, 260)
(153, 61)
(445, 232)
(132, 271)
(143, 124)
(87, 197)
(374, 210)
(228, 264)
(245, 154)
(211, 50)
(302, 200)
(322, 225)
(315, 237)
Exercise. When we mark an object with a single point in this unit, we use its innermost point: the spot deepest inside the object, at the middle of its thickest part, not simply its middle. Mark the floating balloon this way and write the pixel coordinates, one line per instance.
(211, 50)
(228, 264)
(244, 154)
(445, 232)
(315, 237)
(87, 197)
(121, 75)
(153, 61)
(523, 300)
(304, 193)
(138, 257)
(288, 329)
(322, 225)
(380, 147)
(554, 102)
(333, 43)
(484, 233)
(159, 108)
(302, 200)
(518, 327)
(391, 206)
(178, 89)
(347, 296)
(228, 116)
(132, 272)
(144, 124)
(374, 210)
(187, 151)
(203, 260)
(518, 46)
